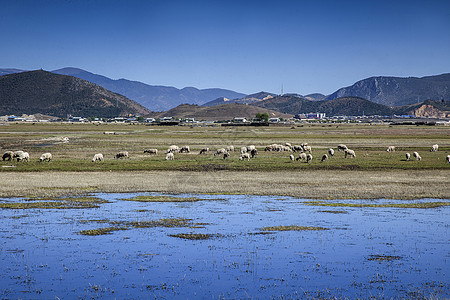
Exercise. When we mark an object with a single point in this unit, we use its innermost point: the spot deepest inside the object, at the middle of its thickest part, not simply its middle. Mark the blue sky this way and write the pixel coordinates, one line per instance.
(246, 46)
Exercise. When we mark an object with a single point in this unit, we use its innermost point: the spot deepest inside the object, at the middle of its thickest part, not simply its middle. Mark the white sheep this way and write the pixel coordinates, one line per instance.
(309, 157)
(170, 156)
(297, 148)
(23, 156)
(301, 156)
(434, 148)
(350, 152)
(390, 149)
(8, 155)
(244, 156)
(185, 149)
(417, 156)
(230, 148)
(342, 147)
(408, 156)
(98, 157)
(291, 157)
(204, 150)
(220, 151)
(307, 148)
(324, 158)
(17, 154)
(448, 158)
(121, 154)
(46, 157)
(243, 150)
(331, 152)
(172, 149)
(151, 151)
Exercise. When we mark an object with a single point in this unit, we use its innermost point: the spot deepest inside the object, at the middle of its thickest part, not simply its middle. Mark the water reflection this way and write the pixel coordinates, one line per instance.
(382, 252)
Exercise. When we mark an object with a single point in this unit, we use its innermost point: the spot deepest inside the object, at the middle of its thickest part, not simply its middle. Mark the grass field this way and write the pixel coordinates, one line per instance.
(373, 173)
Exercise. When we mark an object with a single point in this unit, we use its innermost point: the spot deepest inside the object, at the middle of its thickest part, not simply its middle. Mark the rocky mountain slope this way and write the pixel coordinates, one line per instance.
(397, 91)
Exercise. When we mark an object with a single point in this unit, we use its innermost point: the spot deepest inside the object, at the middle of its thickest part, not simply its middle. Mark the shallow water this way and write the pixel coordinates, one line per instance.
(43, 255)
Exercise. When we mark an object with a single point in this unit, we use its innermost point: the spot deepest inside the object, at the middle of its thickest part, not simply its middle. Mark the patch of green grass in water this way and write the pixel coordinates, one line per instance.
(194, 236)
(47, 205)
(164, 199)
(292, 228)
(383, 258)
(393, 205)
(101, 231)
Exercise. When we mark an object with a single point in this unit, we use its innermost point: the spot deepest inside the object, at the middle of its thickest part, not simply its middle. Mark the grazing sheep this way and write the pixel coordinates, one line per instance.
(448, 159)
(17, 154)
(151, 151)
(324, 158)
(121, 154)
(417, 156)
(297, 148)
(253, 153)
(390, 149)
(288, 145)
(250, 148)
(306, 147)
(170, 156)
(291, 157)
(301, 156)
(350, 152)
(98, 157)
(204, 150)
(243, 150)
(308, 158)
(8, 155)
(434, 148)
(408, 156)
(24, 156)
(46, 157)
(220, 151)
(185, 149)
(172, 149)
(226, 155)
(342, 147)
(331, 152)
(268, 148)
(244, 156)
(230, 148)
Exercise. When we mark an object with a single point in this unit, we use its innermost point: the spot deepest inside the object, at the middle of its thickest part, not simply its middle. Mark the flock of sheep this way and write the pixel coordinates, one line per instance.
(24, 156)
(246, 153)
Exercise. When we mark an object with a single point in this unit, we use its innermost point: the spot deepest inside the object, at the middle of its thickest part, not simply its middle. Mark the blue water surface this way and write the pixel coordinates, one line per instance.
(43, 255)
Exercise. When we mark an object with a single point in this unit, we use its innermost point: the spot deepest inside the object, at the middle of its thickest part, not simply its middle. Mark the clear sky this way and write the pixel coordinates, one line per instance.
(246, 46)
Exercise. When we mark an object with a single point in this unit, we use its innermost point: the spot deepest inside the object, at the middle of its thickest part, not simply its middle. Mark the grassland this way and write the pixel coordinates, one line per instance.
(374, 173)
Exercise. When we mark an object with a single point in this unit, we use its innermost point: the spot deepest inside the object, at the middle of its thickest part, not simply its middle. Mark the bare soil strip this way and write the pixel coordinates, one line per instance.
(314, 184)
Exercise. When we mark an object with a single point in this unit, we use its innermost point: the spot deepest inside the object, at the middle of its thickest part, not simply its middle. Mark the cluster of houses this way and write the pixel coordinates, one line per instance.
(131, 119)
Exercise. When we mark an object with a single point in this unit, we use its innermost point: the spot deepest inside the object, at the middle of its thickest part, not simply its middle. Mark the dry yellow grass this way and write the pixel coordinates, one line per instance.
(313, 184)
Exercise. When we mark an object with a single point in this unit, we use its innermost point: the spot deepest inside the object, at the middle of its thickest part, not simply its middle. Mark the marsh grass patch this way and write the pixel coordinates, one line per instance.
(165, 199)
(194, 236)
(55, 203)
(333, 211)
(422, 205)
(377, 257)
(292, 228)
(101, 231)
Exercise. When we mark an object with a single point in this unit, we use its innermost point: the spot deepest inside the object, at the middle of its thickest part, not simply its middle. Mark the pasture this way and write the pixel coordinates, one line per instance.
(378, 172)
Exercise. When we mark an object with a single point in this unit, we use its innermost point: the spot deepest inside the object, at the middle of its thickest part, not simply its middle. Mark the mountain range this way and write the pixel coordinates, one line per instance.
(376, 95)
(153, 97)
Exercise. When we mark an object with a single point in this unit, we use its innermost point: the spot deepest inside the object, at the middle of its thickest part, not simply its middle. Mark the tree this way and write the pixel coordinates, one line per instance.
(263, 116)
